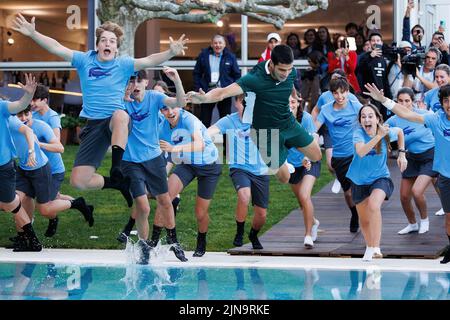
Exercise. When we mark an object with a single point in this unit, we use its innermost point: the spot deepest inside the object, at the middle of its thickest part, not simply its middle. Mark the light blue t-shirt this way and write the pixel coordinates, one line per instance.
(143, 141)
(245, 154)
(418, 138)
(373, 166)
(7, 148)
(440, 126)
(42, 131)
(341, 125)
(52, 118)
(327, 97)
(182, 134)
(295, 157)
(102, 83)
(432, 100)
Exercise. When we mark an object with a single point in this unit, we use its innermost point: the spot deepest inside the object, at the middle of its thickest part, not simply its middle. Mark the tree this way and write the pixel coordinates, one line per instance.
(131, 13)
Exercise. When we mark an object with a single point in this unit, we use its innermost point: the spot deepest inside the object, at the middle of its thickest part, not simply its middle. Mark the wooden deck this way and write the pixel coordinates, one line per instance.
(335, 239)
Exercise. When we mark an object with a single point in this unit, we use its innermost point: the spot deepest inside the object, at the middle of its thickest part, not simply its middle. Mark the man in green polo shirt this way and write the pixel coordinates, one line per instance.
(268, 87)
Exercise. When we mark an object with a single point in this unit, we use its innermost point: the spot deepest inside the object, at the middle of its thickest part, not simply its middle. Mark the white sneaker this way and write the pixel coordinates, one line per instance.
(440, 212)
(336, 186)
(314, 229)
(409, 228)
(368, 255)
(308, 242)
(290, 167)
(424, 226)
(377, 253)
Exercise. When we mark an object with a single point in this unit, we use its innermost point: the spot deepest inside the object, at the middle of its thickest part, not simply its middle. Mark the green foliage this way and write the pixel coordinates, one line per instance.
(69, 122)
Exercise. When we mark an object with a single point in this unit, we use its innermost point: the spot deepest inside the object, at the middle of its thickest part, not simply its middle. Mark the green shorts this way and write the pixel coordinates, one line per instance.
(275, 154)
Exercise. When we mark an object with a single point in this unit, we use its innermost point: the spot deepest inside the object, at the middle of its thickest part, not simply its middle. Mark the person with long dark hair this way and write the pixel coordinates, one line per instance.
(419, 174)
(369, 173)
(439, 123)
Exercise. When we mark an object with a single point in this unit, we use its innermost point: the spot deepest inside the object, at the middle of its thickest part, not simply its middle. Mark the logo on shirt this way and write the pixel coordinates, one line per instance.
(436, 106)
(408, 130)
(139, 117)
(341, 122)
(446, 132)
(177, 139)
(98, 72)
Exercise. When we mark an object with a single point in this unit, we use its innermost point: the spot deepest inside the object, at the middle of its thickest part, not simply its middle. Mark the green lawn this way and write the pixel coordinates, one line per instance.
(111, 213)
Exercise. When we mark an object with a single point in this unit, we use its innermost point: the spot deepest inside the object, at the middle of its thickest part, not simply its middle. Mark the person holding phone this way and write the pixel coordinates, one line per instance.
(438, 41)
(373, 69)
(345, 58)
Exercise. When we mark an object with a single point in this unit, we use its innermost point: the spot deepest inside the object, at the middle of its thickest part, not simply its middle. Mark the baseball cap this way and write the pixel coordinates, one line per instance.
(273, 35)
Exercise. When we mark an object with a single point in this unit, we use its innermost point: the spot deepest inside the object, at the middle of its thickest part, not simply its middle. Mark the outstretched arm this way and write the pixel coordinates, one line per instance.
(53, 145)
(176, 48)
(401, 160)
(214, 95)
(398, 109)
(29, 88)
(51, 45)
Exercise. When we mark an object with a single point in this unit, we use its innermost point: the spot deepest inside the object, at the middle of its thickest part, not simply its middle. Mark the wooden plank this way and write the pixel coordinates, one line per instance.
(334, 238)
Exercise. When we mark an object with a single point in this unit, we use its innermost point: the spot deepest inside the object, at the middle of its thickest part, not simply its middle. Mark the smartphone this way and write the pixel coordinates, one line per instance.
(379, 46)
(351, 43)
(442, 23)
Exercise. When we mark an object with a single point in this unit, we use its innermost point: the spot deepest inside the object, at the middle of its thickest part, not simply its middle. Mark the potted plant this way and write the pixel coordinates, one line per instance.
(68, 124)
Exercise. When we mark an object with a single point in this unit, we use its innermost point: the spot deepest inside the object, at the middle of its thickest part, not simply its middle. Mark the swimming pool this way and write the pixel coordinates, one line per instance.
(30, 281)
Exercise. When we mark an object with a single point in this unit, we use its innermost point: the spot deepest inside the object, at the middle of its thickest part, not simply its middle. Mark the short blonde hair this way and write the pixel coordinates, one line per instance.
(111, 27)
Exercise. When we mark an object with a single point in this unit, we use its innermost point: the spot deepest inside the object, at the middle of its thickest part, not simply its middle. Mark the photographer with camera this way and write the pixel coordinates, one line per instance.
(373, 69)
(345, 59)
(424, 77)
(397, 72)
(417, 31)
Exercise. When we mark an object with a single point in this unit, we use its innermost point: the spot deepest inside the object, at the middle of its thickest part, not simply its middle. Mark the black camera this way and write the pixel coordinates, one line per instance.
(413, 61)
(391, 52)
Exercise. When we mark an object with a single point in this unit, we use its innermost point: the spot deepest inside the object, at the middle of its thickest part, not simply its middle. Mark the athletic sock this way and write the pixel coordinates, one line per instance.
(156, 232)
(240, 227)
(175, 203)
(201, 244)
(80, 204)
(171, 235)
(129, 226)
(108, 184)
(354, 221)
(117, 154)
(253, 236)
(123, 186)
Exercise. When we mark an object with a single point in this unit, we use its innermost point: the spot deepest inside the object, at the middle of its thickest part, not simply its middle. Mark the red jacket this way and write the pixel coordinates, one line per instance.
(265, 55)
(349, 67)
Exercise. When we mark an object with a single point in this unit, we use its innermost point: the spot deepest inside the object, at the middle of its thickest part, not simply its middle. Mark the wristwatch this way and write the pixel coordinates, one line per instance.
(30, 151)
(402, 150)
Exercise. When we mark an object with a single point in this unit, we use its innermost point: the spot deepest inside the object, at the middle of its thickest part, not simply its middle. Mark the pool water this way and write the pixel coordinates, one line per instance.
(27, 281)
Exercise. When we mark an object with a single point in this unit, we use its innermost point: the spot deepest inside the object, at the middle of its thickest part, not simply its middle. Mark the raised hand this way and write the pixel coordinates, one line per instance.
(306, 163)
(128, 91)
(171, 73)
(20, 24)
(374, 92)
(30, 84)
(178, 47)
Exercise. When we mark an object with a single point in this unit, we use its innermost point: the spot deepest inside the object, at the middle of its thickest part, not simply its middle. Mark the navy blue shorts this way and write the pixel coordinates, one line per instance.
(57, 180)
(259, 186)
(361, 192)
(444, 188)
(146, 177)
(420, 164)
(340, 166)
(207, 177)
(36, 184)
(300, 172)
(8, 182)
(95, 139)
